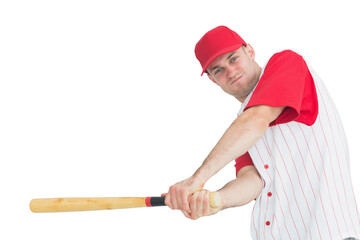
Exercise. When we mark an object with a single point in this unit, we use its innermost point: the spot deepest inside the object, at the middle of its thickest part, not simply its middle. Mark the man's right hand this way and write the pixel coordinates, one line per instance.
(178, 194)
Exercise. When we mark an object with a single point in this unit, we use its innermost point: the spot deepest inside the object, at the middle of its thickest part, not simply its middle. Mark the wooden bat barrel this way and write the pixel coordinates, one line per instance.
(95, 203)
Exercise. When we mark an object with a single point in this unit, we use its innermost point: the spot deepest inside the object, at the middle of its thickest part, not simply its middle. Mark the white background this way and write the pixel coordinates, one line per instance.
(105, 98)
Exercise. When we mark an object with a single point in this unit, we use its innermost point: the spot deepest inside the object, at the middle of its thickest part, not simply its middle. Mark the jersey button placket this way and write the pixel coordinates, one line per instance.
(269, 194)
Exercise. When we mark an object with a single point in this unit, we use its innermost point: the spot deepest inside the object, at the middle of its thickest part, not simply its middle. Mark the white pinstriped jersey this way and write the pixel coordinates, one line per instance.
(307, 192)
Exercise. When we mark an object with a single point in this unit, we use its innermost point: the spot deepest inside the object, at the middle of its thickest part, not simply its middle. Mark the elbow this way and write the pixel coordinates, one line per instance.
(256, 123)
(261, 123)
(258, 186)
(253, 182)
(261, 116)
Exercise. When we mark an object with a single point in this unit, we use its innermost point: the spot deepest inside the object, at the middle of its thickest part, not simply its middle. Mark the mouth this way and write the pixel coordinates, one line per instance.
(235, 80)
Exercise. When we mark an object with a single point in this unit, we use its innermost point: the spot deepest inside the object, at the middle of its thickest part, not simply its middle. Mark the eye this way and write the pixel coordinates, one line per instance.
(233, 59)
(217, 71)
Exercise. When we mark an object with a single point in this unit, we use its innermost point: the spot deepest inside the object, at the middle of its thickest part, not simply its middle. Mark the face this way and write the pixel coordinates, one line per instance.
(236, 72)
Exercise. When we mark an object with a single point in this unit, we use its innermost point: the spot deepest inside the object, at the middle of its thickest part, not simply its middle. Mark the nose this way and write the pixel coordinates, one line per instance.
(231, 72)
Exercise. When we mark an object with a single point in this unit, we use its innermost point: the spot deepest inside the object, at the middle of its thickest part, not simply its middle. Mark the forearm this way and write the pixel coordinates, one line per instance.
(241, 190)
(242, 134)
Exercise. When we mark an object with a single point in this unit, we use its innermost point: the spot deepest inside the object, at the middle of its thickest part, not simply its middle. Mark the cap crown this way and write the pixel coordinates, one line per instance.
(216, 42)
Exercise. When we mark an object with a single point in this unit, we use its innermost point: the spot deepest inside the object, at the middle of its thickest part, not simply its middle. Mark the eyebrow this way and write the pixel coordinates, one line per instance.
(217, 66)
(230, 55)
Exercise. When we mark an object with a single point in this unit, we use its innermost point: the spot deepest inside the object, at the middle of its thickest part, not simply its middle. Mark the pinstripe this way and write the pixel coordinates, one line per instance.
(260, 200)
(277, 224)
(253, 221)
(265, 215)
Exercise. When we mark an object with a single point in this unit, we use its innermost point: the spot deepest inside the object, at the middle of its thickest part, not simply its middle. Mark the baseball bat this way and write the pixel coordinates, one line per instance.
(43, 205)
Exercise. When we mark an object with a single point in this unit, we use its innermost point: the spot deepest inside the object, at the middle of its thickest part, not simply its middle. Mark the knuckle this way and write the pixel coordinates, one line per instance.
(182, 191)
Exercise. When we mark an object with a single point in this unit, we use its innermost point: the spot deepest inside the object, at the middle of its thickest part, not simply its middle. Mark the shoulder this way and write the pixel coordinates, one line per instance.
(284, 63)
(287, 53)
(286, 57)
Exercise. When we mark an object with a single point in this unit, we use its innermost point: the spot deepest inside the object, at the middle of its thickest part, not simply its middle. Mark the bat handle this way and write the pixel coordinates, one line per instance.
(215, 199)
(155, 201)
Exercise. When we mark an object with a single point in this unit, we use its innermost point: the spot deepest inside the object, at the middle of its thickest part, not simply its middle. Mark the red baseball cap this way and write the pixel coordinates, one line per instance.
(216, 42)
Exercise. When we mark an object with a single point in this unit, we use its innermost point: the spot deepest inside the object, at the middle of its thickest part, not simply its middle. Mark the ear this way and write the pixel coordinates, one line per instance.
(250, 51)
(211, 78)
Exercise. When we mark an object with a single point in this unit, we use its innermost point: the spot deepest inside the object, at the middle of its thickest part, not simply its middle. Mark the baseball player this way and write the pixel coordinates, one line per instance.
(288, 141)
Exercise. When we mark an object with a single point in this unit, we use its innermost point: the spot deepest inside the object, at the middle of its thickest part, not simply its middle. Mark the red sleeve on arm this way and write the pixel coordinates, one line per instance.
(287, 82)
(242, 161)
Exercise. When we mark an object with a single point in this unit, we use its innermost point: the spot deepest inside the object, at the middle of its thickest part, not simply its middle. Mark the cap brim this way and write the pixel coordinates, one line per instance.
(221, 52)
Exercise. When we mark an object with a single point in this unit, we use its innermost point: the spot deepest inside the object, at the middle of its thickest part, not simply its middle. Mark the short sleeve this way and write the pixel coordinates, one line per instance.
(242, 161)
(287, 82)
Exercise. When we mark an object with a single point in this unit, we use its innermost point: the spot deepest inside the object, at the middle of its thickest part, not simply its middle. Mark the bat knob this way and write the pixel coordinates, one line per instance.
(215, 199)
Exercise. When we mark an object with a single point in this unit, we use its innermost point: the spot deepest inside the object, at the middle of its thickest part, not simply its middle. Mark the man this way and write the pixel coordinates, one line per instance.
(290, 147)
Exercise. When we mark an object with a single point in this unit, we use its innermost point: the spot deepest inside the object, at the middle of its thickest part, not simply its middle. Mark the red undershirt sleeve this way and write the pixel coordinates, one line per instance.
(242, 161)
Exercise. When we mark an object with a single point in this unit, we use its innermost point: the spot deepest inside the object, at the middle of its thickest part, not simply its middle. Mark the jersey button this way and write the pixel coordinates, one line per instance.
(266, 166)
(267, 223)
(269, 194)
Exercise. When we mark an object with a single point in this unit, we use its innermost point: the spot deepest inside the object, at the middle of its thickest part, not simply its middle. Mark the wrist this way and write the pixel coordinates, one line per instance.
(199, 177)
(226, 200)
